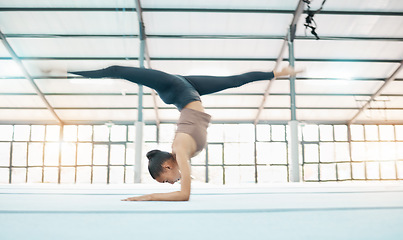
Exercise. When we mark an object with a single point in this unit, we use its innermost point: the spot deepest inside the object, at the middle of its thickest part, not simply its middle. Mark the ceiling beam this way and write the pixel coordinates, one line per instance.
(208, 59)
(17, 60)
(182, 36)
(377, 93)
(204, 10)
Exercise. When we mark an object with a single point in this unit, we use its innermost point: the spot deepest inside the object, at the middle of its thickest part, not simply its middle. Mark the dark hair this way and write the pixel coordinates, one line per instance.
(156, 159)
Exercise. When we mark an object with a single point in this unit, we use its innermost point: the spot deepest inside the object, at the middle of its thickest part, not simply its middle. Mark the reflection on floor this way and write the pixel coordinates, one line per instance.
(365, 210)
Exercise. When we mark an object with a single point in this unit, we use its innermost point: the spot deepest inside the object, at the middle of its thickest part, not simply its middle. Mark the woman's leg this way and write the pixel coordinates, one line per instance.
(211, 84)
(154, 79)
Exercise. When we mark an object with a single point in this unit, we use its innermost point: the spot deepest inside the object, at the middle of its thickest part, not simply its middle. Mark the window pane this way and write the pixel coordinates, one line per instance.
(132, 133)
(371, 132)
(6, 132)
(52, 133)
(326, 132)
(19, 157)
(215, 154)
(388, 151)
(372, 170)
(340, 133)
(311, 172)
(34, 175)
(231, 132)
(327, 171)
(70, 133)
(116, 175)
(238, 175)
(399, 165)
(310, 133)
(37, 133)
(231, 153)
(327, 153)
(399, 132)
(399, 150)
(246, 132)
(358, 170)
(278, 132)
(4, 175)
(357, 132)
(118, 133)
(247, 153)
(272, 174)
(68, 154)
(52, 154)
(5, 149)
(372, 150)
(130, 153)
(117, 155)
(388, 170)
(200, 158)
(84, 133)
(100, 154)
(311, 153)
(35, 154)
(68, 175)
(84, 153)
(21, 132)
(215, 175)
(342, 152)
(130, 175)
(343, 171)
(263, 152)
(387, 132)
(84, 175)
(358, 151)
(263, 132)
(167, 132)
(18, 175)
(199, 173)
(150, 133)
(215, 133)
(100, 174)
(51, 175)
(101, 133)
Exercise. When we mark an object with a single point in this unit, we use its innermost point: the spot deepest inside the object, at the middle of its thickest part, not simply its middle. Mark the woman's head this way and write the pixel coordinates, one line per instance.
(163, 166)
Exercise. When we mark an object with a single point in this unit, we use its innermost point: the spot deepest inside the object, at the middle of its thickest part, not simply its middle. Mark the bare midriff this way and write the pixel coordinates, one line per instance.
(195, 105)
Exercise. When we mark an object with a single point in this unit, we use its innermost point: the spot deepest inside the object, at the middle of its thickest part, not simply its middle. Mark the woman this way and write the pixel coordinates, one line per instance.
(190, 138)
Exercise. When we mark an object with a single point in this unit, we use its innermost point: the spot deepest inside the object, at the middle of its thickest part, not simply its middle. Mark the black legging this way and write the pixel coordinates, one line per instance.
(176, 89)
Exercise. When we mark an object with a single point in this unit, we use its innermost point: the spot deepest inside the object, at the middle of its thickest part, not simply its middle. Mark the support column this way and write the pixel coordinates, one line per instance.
(293, 124)
(139, 124)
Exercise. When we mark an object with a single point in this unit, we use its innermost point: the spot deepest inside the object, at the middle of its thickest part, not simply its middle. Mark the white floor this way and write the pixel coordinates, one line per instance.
(362, 210)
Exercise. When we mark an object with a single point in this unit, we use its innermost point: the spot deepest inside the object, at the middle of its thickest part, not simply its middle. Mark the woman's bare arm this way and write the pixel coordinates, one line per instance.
(182, 147)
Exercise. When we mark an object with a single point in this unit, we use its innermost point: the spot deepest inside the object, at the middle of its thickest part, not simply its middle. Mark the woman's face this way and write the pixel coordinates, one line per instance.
(170, 174)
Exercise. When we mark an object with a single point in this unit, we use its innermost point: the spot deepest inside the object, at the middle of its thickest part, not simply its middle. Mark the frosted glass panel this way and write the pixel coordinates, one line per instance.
(215, 133)
(328, 171)
(272, 174)
(68, 175)
(310, 133)
(278, 132)
(34, 175)
(37, 133)
(6, 132)
(326, 132)
(357, 132)
(372, 170)
(388, 170)
(70, 133)
(19, 154)
(84, 133)
(263, 132)
(35, 154)
(343, 171)
(51, 175)
(84, 175)
(386, 132)
(21, 132)
(84, 154)
(52, 133)
(116, 175)
(371, 132)
(311, 172)
(340, 133)
(5, 149)
(101, 133)
(358, 170)
(215, 152)
(68, 154)
(311, 153)
(117, 155)
(52, 154)
(118, 133)
(100, 154)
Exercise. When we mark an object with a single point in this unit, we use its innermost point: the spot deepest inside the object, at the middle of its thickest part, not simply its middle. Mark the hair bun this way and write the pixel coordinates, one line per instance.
(152, 153)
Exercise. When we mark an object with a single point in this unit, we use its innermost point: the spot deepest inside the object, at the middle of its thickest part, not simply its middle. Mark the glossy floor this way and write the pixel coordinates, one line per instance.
(365, 210)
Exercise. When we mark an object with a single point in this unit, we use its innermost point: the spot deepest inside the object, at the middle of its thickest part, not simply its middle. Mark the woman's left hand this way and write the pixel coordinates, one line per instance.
(139, 198)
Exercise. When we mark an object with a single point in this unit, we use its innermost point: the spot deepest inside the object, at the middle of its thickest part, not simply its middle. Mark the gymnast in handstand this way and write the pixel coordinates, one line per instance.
(191, 134)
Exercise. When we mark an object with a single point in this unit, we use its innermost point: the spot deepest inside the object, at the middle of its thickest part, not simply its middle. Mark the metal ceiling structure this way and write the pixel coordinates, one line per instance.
(352, 73)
